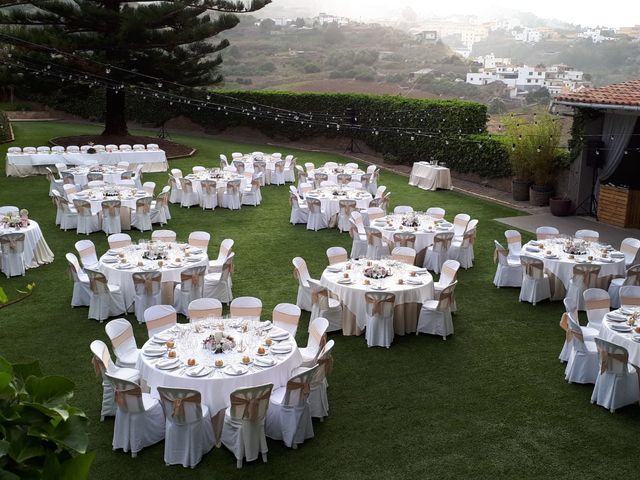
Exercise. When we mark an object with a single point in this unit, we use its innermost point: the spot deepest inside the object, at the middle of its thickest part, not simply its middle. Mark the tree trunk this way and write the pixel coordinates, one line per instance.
(115, 121)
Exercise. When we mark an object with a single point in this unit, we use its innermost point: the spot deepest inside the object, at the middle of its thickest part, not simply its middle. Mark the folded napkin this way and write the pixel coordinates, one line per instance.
(531, 248)
(279, 336)
(281, 348)
(617, 255)
(162, 337)
(413, 282)
(154, 350)
(236, 369)
(267, 361)
(334, 269)
(168, 363)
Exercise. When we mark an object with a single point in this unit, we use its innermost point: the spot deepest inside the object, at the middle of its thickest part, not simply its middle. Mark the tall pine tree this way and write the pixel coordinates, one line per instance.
(172, 40)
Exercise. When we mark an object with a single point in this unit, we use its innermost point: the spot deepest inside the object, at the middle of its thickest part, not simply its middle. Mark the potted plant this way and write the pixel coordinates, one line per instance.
(520, 160)
(560, 206)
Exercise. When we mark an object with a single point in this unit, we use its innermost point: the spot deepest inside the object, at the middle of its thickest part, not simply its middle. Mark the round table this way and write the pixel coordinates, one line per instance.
(220, 177)
(330, 198)
(426, 228)
(110, 174)
(629, 340)
(125, 193)
(333, 172)
(36, 250)
(217, 385)
(119, 273)
(409, 295)
(560, 264)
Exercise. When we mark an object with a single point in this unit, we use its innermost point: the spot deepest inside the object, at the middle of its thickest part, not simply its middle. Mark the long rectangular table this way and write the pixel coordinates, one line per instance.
(25, 164)
(430, 177)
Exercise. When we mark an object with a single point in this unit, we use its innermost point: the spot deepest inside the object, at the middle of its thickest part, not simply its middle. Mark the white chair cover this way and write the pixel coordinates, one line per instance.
(148, 291)
(199, 239)
(379, 332)
(337, 255)
(119, 240)
(584, 277)
(123, 342)
(111, 216)
(231, 197)
(247, 307)
(189, 432)
(190, 288)
(535, 283)
(106, 299)
(301, 273)
(81, 290)
(218, 284)
(317, 339)
(317, 218)
(596, 303)
(582, 366)
(323, 305)
(617, 382)
(546, 233)
(189, 196)
(286, 316)
(435, 315)
(438, 253)
(139, 421)
(11, 254)
(202, 308)
(588, 235)
(508, 271)
(163, 235)
(87, 252)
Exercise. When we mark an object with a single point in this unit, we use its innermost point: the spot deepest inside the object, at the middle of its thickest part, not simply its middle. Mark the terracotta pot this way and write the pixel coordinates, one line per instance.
(560, 207)
(539, 195)
(520, 190)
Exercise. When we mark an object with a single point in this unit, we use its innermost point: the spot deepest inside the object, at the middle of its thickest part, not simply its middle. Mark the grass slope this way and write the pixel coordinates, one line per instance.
(490, 402)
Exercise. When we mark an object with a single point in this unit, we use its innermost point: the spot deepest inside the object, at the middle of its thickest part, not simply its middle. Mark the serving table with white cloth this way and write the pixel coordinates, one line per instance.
(217, 383)
(24, 164)
(559, 264)
(422, 225)
(127, 195)
(410, 294)
(36, 251)
(330, 198)
(616, 329)
(430, 177)
(119, 265)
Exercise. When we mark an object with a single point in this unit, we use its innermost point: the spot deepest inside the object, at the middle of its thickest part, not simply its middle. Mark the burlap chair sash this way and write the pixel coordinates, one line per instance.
(83, 207)
(87, 251)
(633, 276)
(442, 241)
(247, 311)
(597, 304)
(112, 207)
(164, 321)
(628, 300)
(199, 242)
(447, 271)
(98, 366)
(343, 178)
(532, 267)
(120, 244)
(98, 282)
(606, 356)
(564, 323)
(338, 258)
(94, 176)
(143, 205)
(326, 363)
(147, 281)
(122, 338)
(251, 405)
(12, 242)
(239, 164)
(571, 334)
(233, 186)
(304, 387)
(374, 237)
(404, 240)
(121, 396)
(279, 166)
(178, 403)
(194, 277)
(126, 176)
(317, 295)
(446, 297)
(408, 259)
(588, 273)
(514, 239)
(347, 206)
(314, 205)
(378, 302)
(204, 313)
(67, 178)
(285, 317)
(627, 248)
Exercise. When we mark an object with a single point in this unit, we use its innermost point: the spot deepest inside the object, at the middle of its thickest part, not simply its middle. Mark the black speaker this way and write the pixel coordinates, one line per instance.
(596, 153)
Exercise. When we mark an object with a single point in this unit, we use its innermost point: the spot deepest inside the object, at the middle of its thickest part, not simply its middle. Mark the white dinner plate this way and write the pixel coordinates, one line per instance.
(195, 250)
(236, 370)
(377, 287)
(266, 325)
(154, 352)
(281, 349)
(198, 371)
(168, 364)
(346, 281)
(334, 269)
(163, 337)
(621, 327)
(124, 266)
(278, 337)
(628, 310)
(616, 317)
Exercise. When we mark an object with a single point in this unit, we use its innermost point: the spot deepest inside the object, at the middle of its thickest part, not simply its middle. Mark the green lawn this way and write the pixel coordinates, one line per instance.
(490, 402)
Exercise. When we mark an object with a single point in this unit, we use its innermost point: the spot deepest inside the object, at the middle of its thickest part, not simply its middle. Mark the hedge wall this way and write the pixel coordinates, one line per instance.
(457, 129)
(5, 129)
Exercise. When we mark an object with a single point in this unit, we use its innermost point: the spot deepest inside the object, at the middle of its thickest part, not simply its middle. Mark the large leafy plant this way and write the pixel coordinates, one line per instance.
(41, 435)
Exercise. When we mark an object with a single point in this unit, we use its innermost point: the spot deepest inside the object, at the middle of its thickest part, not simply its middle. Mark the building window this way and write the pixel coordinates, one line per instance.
(528, 80)
(530, 73)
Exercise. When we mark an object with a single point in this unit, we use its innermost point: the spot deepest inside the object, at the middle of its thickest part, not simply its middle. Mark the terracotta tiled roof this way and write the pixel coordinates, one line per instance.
(625, 93)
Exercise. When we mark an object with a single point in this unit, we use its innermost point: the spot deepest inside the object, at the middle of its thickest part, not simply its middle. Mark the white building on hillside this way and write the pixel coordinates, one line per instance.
(526, 35)
(595, 35)
(491, 61)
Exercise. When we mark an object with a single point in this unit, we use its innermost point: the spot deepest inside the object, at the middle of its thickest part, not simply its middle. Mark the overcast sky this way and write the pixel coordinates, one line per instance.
(613, 13)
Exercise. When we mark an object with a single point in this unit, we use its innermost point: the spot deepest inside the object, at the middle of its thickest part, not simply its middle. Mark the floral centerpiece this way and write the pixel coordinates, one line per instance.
(575, 247)
(91, 148)
(111, 193)
(376, 272)
(11, 220)
(338, 193)
(218, 342)
(410, 221)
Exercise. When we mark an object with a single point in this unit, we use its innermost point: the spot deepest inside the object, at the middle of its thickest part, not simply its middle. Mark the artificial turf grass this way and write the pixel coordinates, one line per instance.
(490, 402)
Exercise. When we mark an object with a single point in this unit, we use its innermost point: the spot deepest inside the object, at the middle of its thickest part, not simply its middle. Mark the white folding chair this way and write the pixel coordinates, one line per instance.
(12, 254)
(119, 240)
(218, 284)
(201, 308)
(190, 288)
(514, 243)
(199, 240)
(325, 306)
(123, 342)
(246, 307)
(379, 308)
(588, 235)
(286, 316)
(630, 247)
(508, 271)
(244, 423)
(231, 196)
(87, 221)
(617, 381)
(289, 413)
(403, 209)
(223, 252)
(317, 338)
(209, 194)
(337, 255)
(582, 366)
(317, 218)
(87, 252)
(436, 212)
(299, 210)
(140, 421)
(546, 233)
(81, 296)
(448, 275)
(111, 216)
(106, 299)
(163, 236)
(148, 290)
(584, 277)
(141, 218)
(535, 283)
(404, 254)
(159, 318)
(435, 315)
(189, 431)
(377, 245)
(318, 399)
(438, 252)
(596, 303)
(301, 272)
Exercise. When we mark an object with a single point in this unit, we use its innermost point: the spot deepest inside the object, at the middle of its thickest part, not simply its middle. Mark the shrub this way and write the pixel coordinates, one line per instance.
(5, 129)
(311, 68)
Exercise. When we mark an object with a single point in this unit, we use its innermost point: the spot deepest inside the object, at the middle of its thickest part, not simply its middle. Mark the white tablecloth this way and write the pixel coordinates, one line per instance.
(36, 250)
(95, 196)
(133, 254)
(352, 295)
(330, 203)
(424, 233)
(217, 387)
(430, 177)
(333, 172)
(24, 164)
(109, 175)
(562, 266)
(623, 339)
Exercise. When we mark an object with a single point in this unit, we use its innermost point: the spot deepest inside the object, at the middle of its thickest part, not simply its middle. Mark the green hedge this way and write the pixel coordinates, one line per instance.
(5, 128)
(457, 129)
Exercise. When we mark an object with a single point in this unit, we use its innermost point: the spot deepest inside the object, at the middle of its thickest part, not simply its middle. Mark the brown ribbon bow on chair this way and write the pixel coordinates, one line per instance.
(147, 281)
(327, 364)
(178, 405)
(498, 251)
(378, 302)
(120, 397)
(94, 280)
(605, 356)
(83, 207)
(304, 386)
(194, 277)
(316, 294)
(98, 366)
(143, 205)
(11, 241)
(111, 207)
(251, 405)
